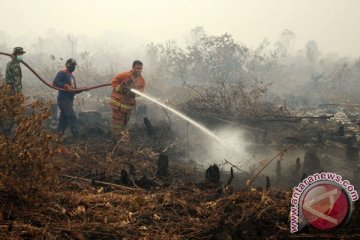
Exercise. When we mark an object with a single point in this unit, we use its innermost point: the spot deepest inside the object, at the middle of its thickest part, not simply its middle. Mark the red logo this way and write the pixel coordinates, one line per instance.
(325, 206)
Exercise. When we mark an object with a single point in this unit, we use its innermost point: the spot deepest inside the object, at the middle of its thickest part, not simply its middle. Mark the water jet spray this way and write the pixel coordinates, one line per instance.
(202, 128)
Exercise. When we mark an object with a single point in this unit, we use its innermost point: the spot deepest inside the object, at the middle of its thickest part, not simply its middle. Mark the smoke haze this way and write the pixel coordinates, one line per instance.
(333, 23)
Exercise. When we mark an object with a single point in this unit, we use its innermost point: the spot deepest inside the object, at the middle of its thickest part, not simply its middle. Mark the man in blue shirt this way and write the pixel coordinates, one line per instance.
(65, 79)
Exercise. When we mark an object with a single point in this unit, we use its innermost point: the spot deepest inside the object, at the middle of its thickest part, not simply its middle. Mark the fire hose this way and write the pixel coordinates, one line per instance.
(51, 86)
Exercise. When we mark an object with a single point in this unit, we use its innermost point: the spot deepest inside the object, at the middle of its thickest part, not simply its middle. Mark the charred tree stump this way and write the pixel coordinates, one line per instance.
(341, 130)
(212, 175)
(295, 172)
(124, 177)
(163, 166)
(231, 177)
(149, 127)
(267, 185)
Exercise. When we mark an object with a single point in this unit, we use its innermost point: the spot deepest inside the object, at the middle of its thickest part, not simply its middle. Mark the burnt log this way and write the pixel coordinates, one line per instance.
(290, 119)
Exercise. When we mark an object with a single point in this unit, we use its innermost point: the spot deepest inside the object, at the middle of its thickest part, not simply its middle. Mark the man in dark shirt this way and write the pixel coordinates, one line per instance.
(65, 79)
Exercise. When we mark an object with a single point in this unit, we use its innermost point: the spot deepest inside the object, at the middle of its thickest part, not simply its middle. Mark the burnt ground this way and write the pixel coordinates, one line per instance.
(113, 190)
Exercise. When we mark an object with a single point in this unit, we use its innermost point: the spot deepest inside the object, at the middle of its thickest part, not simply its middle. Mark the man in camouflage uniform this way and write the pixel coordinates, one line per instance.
(13, 80)
(13, 70)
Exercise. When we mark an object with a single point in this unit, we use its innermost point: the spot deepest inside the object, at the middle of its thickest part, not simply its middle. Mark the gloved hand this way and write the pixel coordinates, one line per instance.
(122, 88)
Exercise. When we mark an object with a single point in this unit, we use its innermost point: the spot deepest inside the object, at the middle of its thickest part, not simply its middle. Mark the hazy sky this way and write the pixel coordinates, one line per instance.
(333, 24)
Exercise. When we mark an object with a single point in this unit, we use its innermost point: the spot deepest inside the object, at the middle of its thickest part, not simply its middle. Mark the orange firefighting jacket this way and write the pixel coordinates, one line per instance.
(119, 99)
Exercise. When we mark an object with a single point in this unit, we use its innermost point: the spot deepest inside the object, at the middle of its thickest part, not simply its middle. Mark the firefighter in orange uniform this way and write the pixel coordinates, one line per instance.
(122, 99)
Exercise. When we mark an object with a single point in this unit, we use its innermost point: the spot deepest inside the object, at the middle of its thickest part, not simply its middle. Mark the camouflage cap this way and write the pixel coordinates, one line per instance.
(18, 50)
(70, 62)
